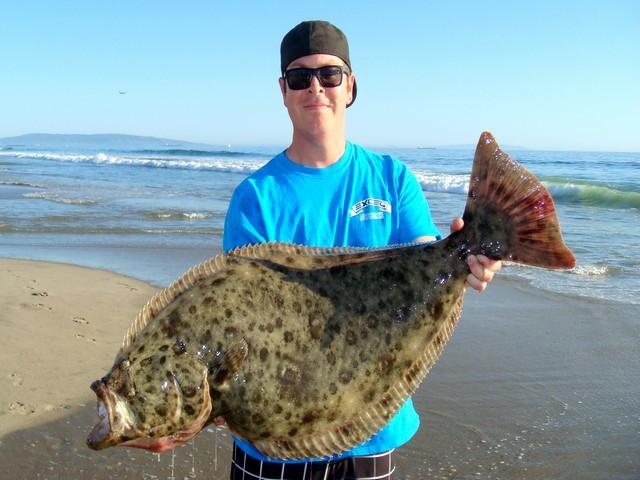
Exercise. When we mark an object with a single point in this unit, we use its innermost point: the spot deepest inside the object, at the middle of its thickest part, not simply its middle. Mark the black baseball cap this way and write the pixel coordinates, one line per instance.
(312, 37)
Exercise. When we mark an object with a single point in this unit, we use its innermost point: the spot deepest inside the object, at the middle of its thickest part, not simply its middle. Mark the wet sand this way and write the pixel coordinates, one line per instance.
(533, 385)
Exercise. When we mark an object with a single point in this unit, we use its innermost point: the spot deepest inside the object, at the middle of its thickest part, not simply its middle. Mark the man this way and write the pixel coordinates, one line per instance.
(325, 191)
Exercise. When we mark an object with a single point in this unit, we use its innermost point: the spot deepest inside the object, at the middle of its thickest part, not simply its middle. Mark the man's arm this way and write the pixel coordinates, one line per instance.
(482, 269)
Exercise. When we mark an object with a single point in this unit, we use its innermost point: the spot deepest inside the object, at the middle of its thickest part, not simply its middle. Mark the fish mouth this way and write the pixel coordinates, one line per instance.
(112, 425)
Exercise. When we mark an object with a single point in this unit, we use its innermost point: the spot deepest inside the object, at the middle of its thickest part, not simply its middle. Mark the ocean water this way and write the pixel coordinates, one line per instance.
(152, 213)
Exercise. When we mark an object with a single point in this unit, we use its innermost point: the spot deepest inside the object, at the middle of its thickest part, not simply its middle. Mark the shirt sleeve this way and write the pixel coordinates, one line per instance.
(243, 224)
(414, 214)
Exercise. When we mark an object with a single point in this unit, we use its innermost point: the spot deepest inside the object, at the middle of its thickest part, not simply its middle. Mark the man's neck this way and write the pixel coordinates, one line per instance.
(314, 152)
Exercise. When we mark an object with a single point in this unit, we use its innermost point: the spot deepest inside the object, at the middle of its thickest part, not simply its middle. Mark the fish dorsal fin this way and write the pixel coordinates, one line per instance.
(285, 254)
(307, 258)
(342, 437)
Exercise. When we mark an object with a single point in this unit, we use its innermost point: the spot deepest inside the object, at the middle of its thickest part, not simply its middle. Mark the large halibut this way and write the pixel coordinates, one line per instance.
(308, 352)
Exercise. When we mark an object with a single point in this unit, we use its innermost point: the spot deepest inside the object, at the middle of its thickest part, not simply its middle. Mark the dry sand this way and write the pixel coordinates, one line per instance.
(531, 386)
(60, 327)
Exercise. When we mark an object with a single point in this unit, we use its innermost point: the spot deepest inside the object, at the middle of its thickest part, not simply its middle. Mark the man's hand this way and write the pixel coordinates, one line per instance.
(482, 268)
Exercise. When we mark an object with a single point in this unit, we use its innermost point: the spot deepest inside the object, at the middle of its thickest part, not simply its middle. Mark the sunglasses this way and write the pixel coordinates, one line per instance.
(300, 78)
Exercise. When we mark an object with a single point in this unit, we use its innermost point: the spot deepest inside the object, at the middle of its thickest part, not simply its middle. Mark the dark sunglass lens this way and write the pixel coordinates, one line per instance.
(298, 79)
(330, 76)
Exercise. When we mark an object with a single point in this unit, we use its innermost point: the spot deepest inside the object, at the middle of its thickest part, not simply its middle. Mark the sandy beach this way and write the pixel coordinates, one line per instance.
(532, 385)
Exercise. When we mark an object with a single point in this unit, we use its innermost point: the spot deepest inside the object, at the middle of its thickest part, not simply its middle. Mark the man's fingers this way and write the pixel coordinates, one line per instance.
(473, 282)
(478, 269)
(492, 265)
(456, 224)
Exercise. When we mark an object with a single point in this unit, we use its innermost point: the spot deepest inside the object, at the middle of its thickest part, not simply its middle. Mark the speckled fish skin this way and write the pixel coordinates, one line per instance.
(308, 352)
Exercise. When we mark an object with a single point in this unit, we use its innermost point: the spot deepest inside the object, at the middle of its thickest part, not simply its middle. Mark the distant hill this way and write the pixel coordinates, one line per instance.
(106, 140)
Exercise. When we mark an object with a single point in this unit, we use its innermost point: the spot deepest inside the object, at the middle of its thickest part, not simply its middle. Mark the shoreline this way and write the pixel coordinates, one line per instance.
(555, 366)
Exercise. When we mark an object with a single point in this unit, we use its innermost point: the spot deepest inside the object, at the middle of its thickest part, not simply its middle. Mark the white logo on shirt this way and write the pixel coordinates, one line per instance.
(358, 207)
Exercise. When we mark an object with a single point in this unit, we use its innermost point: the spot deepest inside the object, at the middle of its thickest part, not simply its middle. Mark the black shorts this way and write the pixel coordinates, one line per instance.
(369, 467)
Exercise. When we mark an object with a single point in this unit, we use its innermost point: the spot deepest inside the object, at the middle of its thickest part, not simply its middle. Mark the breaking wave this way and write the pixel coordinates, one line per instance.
(57, 198)
(202, 153)
(231, 162)
(593, 195)
(562, 190)
(443, 183)
(177, 215)
(13, 183)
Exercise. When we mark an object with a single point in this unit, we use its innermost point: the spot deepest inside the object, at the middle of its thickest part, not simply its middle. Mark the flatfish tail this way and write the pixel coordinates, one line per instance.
(509, 214)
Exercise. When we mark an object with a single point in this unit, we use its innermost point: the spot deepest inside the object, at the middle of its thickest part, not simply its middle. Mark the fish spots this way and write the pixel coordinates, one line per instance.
(206, 338)
(179, 347)
(310, 417)
(315, 327)
(297, 307)
(189, 410)
(369, 395)
(331, 358)
(437, 310)
(228, 312)
(351, 337)
(278, 301)
(345, 377)
(277, 409)
(264, 354)
(193, 309)
(161, 410)
(288, 336)
(290, 376)
(257, 397)
(189, 391)
(207, 301)
(257, 418)
(386, 362)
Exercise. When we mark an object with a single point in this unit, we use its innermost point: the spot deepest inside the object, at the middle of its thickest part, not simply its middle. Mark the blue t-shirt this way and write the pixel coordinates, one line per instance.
(362, 200)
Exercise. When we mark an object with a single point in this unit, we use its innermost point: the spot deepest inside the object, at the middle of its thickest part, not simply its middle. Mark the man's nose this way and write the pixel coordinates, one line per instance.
(315, 86)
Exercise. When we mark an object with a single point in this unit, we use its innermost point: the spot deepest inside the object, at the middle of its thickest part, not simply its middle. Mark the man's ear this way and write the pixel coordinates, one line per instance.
(283, 90)
(351, 81)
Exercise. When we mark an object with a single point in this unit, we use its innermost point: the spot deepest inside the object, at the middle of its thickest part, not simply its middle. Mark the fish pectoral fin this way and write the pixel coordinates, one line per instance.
(231, 361)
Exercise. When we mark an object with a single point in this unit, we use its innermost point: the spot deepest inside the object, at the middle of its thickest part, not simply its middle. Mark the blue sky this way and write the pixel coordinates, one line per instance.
(544, 74)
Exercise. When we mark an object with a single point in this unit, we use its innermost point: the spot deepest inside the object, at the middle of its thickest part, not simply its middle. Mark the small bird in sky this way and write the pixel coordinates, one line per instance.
(122, 92)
